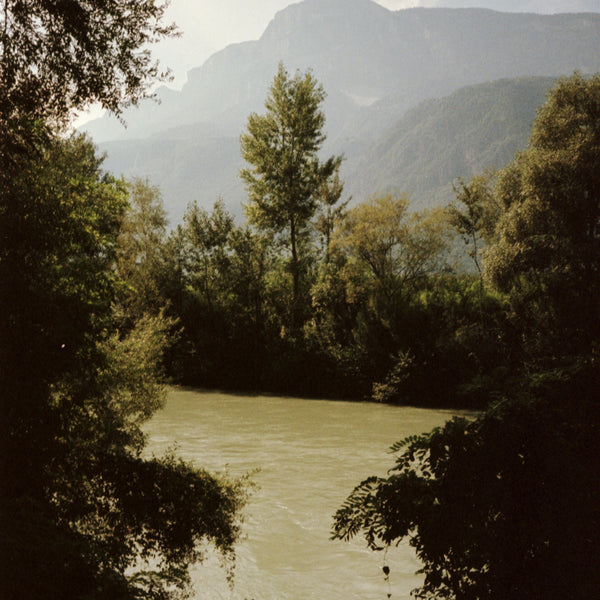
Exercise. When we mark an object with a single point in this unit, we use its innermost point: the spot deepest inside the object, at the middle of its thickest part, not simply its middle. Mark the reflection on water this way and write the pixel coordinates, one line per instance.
(310, 453)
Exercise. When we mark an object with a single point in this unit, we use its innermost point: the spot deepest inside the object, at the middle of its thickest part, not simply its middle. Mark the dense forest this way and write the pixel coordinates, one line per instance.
(376, 302)
(491, 303)
(311, 297)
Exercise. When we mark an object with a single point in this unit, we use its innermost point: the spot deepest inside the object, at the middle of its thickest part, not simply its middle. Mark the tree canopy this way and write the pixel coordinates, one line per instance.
(547, 251)
(83, 513)
(505, 506)
(398, 247)
(56, 56)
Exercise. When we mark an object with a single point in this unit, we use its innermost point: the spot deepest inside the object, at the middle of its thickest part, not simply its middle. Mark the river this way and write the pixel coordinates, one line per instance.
(309, 455)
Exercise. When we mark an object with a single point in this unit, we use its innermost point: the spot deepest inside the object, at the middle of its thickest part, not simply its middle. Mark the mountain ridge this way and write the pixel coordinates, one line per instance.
(376, 53)
(374, 64)
(422, 153)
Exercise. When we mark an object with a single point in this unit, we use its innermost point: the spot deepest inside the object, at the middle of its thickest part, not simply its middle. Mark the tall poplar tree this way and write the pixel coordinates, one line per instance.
(285, 174)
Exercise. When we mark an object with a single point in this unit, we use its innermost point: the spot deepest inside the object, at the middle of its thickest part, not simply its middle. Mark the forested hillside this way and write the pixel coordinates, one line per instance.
(423, 153)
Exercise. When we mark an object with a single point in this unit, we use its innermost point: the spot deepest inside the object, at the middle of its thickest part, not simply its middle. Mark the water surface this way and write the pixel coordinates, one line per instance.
(311, 454)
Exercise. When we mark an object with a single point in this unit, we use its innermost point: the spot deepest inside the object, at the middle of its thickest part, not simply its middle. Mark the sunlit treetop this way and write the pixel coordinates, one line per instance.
(57, 56)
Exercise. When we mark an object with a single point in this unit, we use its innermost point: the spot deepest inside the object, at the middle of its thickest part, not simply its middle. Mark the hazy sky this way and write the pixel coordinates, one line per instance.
(209, 25)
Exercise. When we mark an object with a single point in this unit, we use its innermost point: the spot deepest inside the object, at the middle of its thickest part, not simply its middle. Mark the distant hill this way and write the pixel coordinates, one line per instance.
(375, 64)
(475, 128)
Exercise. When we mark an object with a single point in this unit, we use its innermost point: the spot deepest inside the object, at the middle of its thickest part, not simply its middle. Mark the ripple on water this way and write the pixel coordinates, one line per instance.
(311, 454)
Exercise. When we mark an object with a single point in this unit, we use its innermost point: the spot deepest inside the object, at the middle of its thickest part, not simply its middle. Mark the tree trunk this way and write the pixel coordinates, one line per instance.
(295, 268)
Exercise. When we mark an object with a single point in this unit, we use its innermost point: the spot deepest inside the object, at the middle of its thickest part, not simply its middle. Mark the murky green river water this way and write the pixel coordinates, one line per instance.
(310, 453)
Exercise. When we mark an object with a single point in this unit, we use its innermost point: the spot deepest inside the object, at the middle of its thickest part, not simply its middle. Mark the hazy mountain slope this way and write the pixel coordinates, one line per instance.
(475, 128)
(363, 52)
(374, 65)
(422, 153)
(191, 169)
